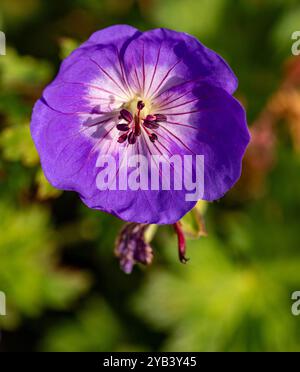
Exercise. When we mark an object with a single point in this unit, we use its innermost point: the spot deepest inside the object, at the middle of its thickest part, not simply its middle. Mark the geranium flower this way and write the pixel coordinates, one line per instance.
(158, 92)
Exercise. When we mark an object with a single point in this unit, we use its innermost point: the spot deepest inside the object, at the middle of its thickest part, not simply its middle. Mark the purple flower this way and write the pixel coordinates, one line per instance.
(159, 92)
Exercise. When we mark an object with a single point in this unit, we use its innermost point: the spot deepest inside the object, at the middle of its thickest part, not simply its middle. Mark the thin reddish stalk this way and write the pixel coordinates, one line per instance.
(181, 242)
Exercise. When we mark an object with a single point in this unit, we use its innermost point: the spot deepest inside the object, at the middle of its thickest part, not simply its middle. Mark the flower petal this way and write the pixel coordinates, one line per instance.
(206, 120)
(68, 154)
(119, 36)
(92, 77)
(160, 59)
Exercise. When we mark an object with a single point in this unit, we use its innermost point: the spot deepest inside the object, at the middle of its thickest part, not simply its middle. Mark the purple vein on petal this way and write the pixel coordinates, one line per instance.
(165, 101)
(137, 79)
(179, 85)
(98, 122)
(185, 113)
(181, 125)
(165, 77)
(109, 76)
(124, 77)
(179, 105)
(45, 102)
(155, 69)
(143, 66)
(177, 138)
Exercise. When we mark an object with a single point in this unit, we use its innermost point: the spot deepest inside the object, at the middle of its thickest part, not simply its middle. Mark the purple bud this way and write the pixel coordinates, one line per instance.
(126, 115)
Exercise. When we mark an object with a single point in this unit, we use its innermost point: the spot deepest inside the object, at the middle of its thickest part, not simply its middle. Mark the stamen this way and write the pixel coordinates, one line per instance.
(150, 124)
(150, 117)
(160, 117)
(136, 120)
(126, 115)
(122, 138)
(131, 138)
(153, 137)
(123, 127)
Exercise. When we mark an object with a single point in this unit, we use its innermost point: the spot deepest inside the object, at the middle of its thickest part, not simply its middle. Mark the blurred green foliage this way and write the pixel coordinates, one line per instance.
(64, 289)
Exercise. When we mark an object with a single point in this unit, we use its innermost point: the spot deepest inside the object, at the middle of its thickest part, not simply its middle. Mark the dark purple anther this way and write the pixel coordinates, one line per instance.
(122, 138)
(132, 248)
(126, 115)
(123, 127)
(140, 105)
(153, 137)
(131, 138)
(160, 117)
(150, 124)
(150, 118)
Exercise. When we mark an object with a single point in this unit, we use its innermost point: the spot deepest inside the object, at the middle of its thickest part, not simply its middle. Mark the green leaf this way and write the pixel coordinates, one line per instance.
(45, 190)
(67, 45)
(17, 145)
(282, 33)
(29, 275)
(193, 223)
(93, 329)
(197, 17)
(22, 71)
(215, 304)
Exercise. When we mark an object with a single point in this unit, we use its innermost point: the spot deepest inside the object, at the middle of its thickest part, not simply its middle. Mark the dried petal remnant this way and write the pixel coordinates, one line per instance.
(132, 248)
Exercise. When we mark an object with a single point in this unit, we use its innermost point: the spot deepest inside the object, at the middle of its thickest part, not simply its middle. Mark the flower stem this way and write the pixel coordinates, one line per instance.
(181, 242)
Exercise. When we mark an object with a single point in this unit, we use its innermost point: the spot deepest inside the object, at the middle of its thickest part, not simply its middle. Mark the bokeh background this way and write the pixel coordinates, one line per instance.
(65, 291)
